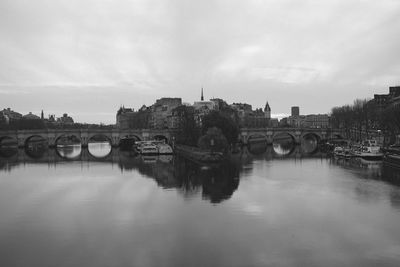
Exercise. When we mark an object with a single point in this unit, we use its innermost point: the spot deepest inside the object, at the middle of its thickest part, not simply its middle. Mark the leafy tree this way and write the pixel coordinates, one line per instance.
(188, 133)
(228, 126)
(213, 139)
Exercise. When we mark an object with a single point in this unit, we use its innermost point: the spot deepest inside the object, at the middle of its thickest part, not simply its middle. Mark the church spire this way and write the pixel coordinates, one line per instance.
(267, 107)
(202, 96)
(267, 111)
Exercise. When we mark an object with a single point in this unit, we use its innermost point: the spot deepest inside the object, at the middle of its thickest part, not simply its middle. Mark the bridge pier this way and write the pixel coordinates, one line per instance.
(115, 139)
(51, 139)
(270, 138)
(21, 140)
(84, 139)
(297, 137)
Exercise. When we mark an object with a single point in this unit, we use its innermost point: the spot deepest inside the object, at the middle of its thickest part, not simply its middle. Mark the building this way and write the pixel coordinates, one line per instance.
(65, 119)
(220, 104)
(273, 122)
(283, 122)
(179, 115)
(295, 111)
(316, 121)
(243, 110)
(267, 111)
(127, 118)
(123, 117)
(381, 101)
(257, 119)
(202, 108)
(52, 118)
(31, 116)
(250, 118)
(161, 110)
(296, 121)
(9, 115)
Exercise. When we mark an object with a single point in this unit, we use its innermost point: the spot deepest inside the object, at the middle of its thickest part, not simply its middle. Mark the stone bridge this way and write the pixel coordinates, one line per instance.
(115, 135)
(84, 135)
(298, 134)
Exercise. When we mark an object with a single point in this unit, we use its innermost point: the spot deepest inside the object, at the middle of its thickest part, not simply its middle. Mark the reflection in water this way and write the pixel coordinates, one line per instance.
(309, 144)
(283, 144)
(7, 151)
(36, 149)
(99, 149)
(252, 210)
(257, 148)
(217, 182)
(283, 149)
(69, 151)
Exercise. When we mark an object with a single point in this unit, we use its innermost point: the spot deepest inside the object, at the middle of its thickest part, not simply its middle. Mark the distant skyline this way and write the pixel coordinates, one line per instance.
(88, 57)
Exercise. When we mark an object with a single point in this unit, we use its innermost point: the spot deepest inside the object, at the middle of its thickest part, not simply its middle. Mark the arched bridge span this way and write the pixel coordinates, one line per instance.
(297, 134)
(84, 135)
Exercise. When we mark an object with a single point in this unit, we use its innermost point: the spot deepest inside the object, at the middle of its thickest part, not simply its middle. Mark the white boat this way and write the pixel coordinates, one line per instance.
(164, 149)
(342, 152)
(369, 149)
(153, 147)
(147, 149)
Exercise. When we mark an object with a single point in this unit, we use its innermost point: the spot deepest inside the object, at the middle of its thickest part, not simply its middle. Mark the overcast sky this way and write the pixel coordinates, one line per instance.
(87, 58)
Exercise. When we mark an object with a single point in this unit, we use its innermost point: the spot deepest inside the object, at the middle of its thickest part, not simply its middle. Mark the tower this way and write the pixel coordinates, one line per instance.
(42, 115)
(267, 111)
(202, 96)
(295, 111)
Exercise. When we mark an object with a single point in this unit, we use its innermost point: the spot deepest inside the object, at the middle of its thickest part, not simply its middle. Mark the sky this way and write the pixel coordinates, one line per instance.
(88, 57)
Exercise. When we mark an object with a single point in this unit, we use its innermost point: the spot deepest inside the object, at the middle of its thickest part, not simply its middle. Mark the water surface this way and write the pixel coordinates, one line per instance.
(75, 206)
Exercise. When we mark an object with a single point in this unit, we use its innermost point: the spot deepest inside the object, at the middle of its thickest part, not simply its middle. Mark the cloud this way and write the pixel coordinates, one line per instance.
(137, 51)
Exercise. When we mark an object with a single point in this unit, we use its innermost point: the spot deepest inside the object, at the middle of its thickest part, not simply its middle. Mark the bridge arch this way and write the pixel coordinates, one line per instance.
(93, 136)
(276, 134)
(127, 135)
(257, 148)
(284, 143)
(276, 153)
(62, 135)
(9, 148)
(309, 142)
(99, 150)
(69, 153)
(10, 138)
(36, 151)
(257, 137)
(36, 135)
(314, 134)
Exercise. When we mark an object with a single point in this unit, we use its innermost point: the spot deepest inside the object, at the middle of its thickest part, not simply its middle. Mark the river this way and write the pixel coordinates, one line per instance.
(266, 206)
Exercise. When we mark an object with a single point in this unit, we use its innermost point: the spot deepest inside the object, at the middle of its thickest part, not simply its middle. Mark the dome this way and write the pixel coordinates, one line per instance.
(31, 116)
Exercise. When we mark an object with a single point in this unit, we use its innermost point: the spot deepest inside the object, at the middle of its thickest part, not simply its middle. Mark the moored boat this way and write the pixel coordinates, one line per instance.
(164, 149)
(392, 156)
(368, 150)
(147, 149)
(341, 152)
(153, 147)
